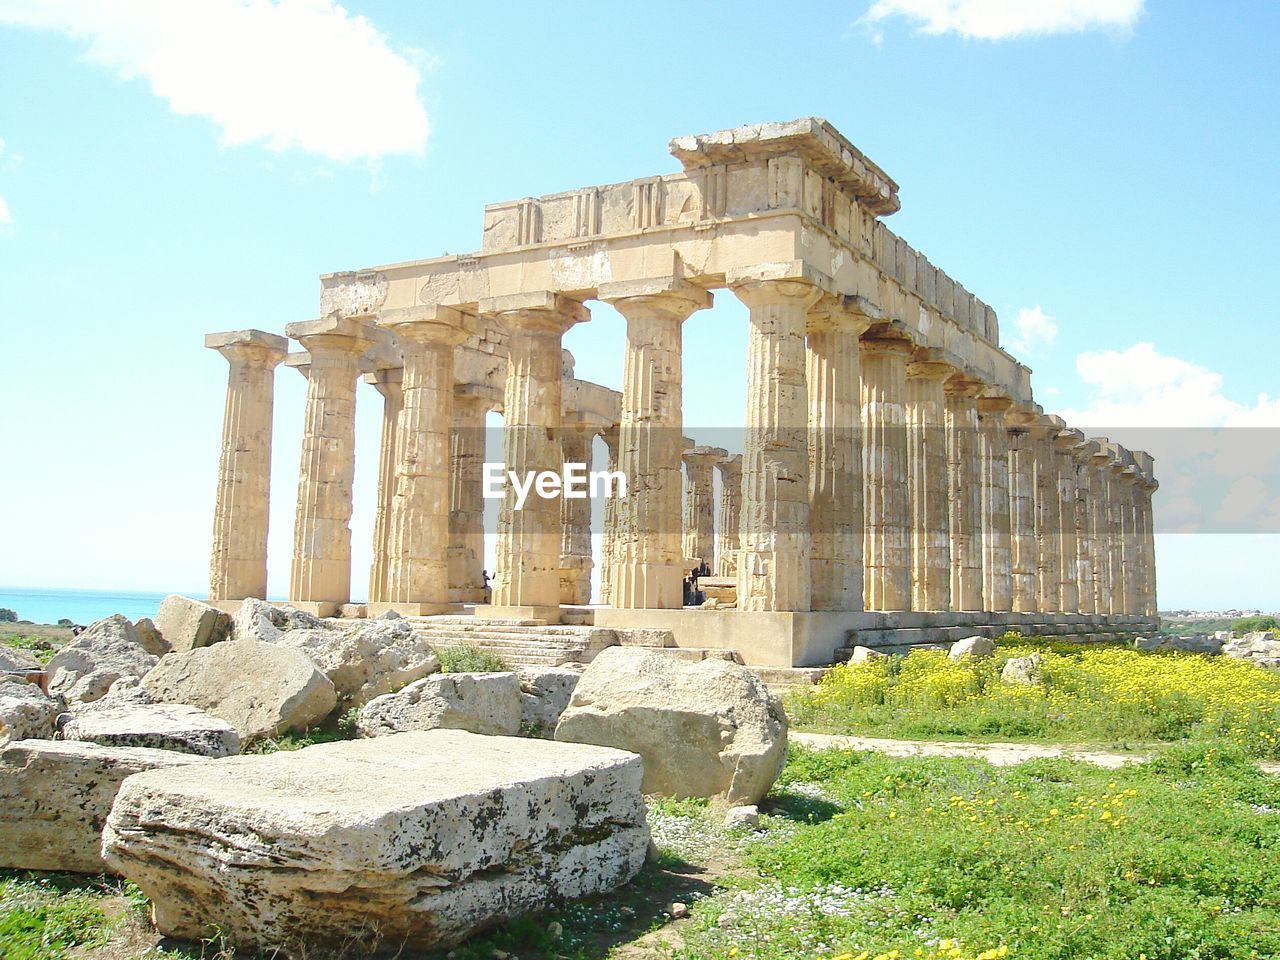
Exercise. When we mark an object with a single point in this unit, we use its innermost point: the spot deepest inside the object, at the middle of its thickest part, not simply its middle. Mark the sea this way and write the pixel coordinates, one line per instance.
(45, 605)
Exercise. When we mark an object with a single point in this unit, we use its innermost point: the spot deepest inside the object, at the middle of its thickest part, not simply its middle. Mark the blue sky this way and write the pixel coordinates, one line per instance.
(1103, 173)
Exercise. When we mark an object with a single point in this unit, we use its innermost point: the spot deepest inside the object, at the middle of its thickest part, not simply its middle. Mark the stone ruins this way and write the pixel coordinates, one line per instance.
(897, 484)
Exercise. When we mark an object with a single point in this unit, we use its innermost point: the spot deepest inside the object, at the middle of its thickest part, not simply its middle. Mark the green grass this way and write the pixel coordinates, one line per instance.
(1108, 695)
(1051, 860)
(465, 659)
(45, 916)
(39, 648)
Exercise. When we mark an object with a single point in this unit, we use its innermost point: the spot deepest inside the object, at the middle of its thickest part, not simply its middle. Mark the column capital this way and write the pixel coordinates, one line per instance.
(703, 456)
(730, 463)
(300, 361)
(430, 323)
(886, 345)
(249, 345)
(767, 291)
(385, 379)
(993, 407)
(929, 370)
(1085, 450)
(476, 395)
(542, 309)
(673, 297)
(1067, 440)
(849, 314)
(961, 385)
(342, 334)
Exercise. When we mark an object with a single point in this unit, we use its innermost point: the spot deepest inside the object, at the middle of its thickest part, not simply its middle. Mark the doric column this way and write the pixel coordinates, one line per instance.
(1048, 517)
(700, 504)
(575, 520)
(418, 575)
(964, 493)
(1022, 511)
(471, 404)
(238, 561)
(609, 542)
(388, 381)
(649, 556)
(320, 579)
(1119, 530)
(773, 565)
(927, 485)
(1149, 487)
(833, 376)
(995, 520)
(1100, 524)
(1135, 541)
(887, 517)
(526, 582)
(730, 516)
(1064, 444)
(1086, 531)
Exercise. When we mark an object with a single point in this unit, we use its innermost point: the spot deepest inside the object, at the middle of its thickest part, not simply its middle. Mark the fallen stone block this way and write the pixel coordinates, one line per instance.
(863, 654)
(709, 728)
(544, 694)
(107, 650)
(1024, 671)
(487, 703)
(261, 689)
(115, 722)
(188, 624)
(56, 796)
(402, 843)
(26, 712)
(972, 647)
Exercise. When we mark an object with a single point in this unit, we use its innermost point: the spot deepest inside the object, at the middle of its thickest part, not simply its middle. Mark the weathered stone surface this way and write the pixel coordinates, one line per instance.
(863, 654)
(114, 721)
(84, 670)
(544, 695)
(1260, 647)
(187, 624)
(153, 640)
(1196, 643)
(1022, 670)
(13, 660)
(972, 647)
(487, 703)
(261, 689)
(56, 795)
(705, 729)
(25, 711)
(363, 659)
(409, 842)
(746, 817)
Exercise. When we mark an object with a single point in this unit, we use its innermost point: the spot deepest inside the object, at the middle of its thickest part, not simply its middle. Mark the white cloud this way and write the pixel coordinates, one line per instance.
(1033, 329)
(1007, 19)
(292, 73)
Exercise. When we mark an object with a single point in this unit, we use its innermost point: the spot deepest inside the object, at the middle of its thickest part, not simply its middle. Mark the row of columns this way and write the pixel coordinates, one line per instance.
(872, 474)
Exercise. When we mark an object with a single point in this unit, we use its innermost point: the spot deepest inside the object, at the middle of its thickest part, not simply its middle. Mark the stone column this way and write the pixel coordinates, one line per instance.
(1135, 542)
(389, 383)
(1048, 518)
(649, 557)
(730, 516)
(1086, 531)
(526, 582)
(995, 520)
(575, 520)
(466, 493)
(773, 565)
(609, 542)
(833, 376)
(320, 579)
(927, 485)
(964, 492)
(1064, 443)
(886, 544)
(700, 504)
(1022, 512)
(418, 576)
(1118, 531)
(238, 561)
(1100, 524)
(1149, 487)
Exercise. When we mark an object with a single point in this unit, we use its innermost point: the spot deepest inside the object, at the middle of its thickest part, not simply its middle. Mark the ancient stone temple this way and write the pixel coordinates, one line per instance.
(896, 481)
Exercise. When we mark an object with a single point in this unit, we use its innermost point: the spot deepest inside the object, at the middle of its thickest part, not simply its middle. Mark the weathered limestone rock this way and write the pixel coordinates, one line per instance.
(406, 842)
(1260, 647)
(972, 647)
(745, 817)
(263, 622)
(152, 640)
(1022, 670)
(544, 694)
(863, 654)
(13, 660)
(705, 729)
(1197, 643)
(56, 795)
(186, 624)
(486, 703)
(25, 711)
(116, 722)
(261, 689)
(84, 670)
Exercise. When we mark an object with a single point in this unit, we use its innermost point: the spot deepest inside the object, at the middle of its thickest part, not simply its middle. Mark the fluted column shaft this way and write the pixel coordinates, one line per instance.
(773, 565)
(389, 383)
(1100, 524)
(1148, 488)
(729, 516)
(995, 521)
(928, 486)
(1022, 519)
(965, 494)
(609, 541)
(699, 505)
(886, 544)
(833, 377)
(649, 555)
(238, 560)
(466, 498)
(320, 578)
(575, 521)
(1068, 534)
(1134, 543)
(1118, 533)
(1048, 521)
(1086, 535)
